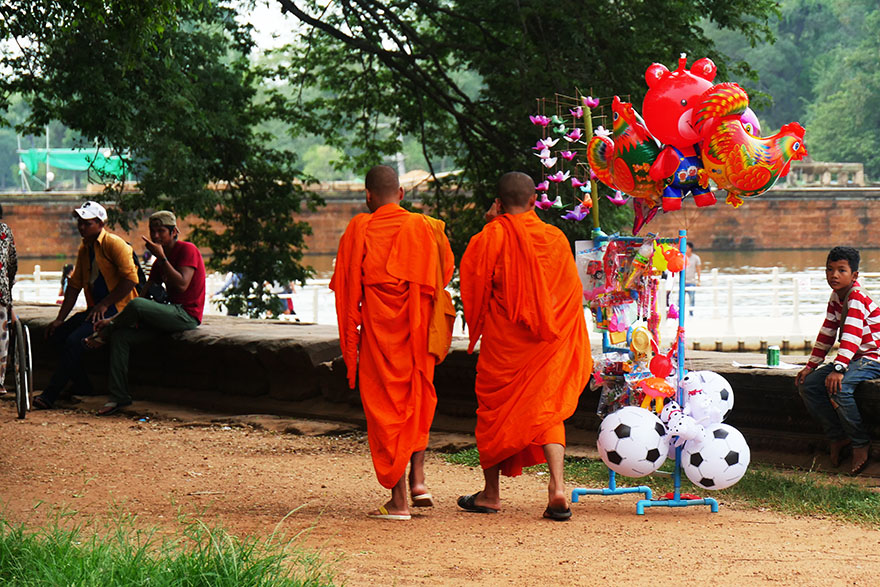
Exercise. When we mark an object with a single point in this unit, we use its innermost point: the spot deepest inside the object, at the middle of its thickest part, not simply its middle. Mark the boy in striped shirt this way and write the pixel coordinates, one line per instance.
(828, 390)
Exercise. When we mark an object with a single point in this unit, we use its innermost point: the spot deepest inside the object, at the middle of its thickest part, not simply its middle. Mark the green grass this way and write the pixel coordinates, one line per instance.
(794, 492)
(62, 553)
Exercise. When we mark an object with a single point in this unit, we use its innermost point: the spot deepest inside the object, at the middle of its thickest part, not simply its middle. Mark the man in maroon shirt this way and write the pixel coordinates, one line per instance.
(180, 268)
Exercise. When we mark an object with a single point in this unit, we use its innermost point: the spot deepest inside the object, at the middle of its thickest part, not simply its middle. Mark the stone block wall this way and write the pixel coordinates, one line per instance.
(781, 219)
(245, 367)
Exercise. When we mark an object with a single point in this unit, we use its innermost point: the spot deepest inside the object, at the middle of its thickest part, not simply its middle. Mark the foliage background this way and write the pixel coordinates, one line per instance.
(180, 88)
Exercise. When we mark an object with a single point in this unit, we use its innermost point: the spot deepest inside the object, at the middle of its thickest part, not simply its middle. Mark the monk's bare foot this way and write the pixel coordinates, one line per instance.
(557, 500)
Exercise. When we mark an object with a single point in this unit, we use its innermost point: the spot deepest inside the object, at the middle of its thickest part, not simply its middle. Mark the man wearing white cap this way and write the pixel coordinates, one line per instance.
(106, 272)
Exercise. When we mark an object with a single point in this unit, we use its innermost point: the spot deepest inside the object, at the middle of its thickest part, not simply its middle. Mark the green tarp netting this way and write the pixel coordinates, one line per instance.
(74, 160)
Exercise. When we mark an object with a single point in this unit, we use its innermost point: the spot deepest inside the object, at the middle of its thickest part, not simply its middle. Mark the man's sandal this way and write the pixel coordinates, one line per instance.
(382, 514)
(861, 456)
(423, 500)
(94, 340)
(39, 403)
(110, 408)
(468, 503)
(839, 451)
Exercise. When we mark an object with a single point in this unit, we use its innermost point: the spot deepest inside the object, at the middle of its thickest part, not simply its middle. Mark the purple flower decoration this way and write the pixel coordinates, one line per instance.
(574, 135)
(540, 120)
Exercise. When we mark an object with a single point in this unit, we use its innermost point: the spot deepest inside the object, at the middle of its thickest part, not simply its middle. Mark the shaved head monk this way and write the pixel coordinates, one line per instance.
(389, 266)
(522, 295)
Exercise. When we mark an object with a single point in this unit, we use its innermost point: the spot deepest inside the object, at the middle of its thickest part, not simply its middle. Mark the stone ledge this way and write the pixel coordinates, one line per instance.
(235, 365)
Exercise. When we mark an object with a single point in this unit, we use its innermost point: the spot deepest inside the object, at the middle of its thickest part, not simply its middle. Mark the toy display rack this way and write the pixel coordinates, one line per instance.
(676, 500)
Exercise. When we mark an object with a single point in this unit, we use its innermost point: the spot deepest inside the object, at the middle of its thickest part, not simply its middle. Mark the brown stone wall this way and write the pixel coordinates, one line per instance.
(817, 218)
(781, 219)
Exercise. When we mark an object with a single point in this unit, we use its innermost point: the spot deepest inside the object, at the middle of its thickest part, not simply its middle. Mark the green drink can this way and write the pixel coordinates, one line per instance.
(773, 356)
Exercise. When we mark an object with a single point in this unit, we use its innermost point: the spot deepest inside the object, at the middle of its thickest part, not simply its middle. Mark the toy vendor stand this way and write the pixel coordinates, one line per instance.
(622, 284)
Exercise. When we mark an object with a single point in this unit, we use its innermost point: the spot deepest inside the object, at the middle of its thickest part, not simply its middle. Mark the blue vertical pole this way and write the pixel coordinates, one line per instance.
(682, 246)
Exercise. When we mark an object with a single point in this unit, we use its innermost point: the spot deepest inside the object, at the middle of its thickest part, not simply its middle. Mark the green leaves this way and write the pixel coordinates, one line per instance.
(462, 77)
(169, 85)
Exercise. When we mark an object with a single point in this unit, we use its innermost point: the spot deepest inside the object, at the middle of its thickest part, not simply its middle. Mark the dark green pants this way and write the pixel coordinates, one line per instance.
(141, 321)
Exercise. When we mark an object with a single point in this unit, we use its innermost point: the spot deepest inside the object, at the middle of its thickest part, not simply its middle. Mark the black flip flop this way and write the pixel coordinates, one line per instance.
(39, 403)
(466, 502)
(108, 410)
(557, 515)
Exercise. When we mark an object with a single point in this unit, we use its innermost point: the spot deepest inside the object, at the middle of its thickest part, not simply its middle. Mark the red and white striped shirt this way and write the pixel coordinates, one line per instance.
(860, 332)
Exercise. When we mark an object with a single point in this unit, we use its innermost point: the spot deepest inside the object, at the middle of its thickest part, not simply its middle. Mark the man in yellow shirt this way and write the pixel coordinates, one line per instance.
(106, 272)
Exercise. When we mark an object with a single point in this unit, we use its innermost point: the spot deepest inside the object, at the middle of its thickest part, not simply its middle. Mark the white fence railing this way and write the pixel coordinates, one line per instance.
(780, 299)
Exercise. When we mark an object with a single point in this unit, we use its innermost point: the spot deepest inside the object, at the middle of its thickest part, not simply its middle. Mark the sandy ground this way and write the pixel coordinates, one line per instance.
(250, 476)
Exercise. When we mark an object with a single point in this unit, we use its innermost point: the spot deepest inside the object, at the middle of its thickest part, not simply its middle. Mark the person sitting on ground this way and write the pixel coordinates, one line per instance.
(105, 270)
(180, 268)
(522, 294)
(8, 269)
(829, 390)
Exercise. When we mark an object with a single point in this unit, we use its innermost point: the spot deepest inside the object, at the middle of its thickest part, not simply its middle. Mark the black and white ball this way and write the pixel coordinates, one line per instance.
(713, 385)
(632, 441)
(719, 460)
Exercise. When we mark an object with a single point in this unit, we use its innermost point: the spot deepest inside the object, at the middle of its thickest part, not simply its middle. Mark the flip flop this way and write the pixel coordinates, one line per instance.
(384, 515)
(110, 408)
(38, 403)
(94, 341)
(466, 502)
(423, 500)
(859, 467)
(557, 515)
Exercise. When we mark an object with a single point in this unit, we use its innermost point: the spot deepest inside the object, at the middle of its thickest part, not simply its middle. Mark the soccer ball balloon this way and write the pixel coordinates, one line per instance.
(632, 441)
(719, 461)
(713, 385)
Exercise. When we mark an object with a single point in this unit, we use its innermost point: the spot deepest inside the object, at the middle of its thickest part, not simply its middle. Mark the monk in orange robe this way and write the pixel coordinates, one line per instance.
(522, 295)
(389, 266)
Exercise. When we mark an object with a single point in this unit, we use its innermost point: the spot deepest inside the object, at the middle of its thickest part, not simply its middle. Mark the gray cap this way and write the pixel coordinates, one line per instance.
(164, 217)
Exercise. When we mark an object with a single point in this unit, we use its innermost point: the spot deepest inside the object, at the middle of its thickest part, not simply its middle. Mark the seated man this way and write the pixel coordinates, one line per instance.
(105, 269)
(179, 266)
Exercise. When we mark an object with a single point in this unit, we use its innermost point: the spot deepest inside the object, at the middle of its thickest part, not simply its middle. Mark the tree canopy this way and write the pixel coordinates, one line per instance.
(170, 86)
(391, 68)
(821, 71)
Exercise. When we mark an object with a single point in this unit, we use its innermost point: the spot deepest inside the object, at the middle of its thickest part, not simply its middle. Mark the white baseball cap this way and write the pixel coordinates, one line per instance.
(91, 210)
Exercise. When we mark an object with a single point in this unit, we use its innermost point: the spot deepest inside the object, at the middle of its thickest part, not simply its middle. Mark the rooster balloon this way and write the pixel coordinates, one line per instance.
(623, 161)
(736, 160)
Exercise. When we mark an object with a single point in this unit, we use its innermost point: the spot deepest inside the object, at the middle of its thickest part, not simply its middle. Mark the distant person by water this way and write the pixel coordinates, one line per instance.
(66, 272)
(692, 270)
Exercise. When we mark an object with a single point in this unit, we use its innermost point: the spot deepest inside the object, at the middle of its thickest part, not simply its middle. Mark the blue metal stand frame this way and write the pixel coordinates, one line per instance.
(612, 488)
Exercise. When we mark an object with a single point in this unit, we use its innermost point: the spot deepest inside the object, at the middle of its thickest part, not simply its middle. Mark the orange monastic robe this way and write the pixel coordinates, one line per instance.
(522, 294)
(385, 278)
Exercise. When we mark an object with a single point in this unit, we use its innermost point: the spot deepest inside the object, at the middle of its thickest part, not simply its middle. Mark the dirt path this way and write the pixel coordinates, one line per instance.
(249, 479)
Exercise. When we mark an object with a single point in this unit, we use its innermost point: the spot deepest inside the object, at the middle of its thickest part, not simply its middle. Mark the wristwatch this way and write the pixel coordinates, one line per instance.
(838, 368)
